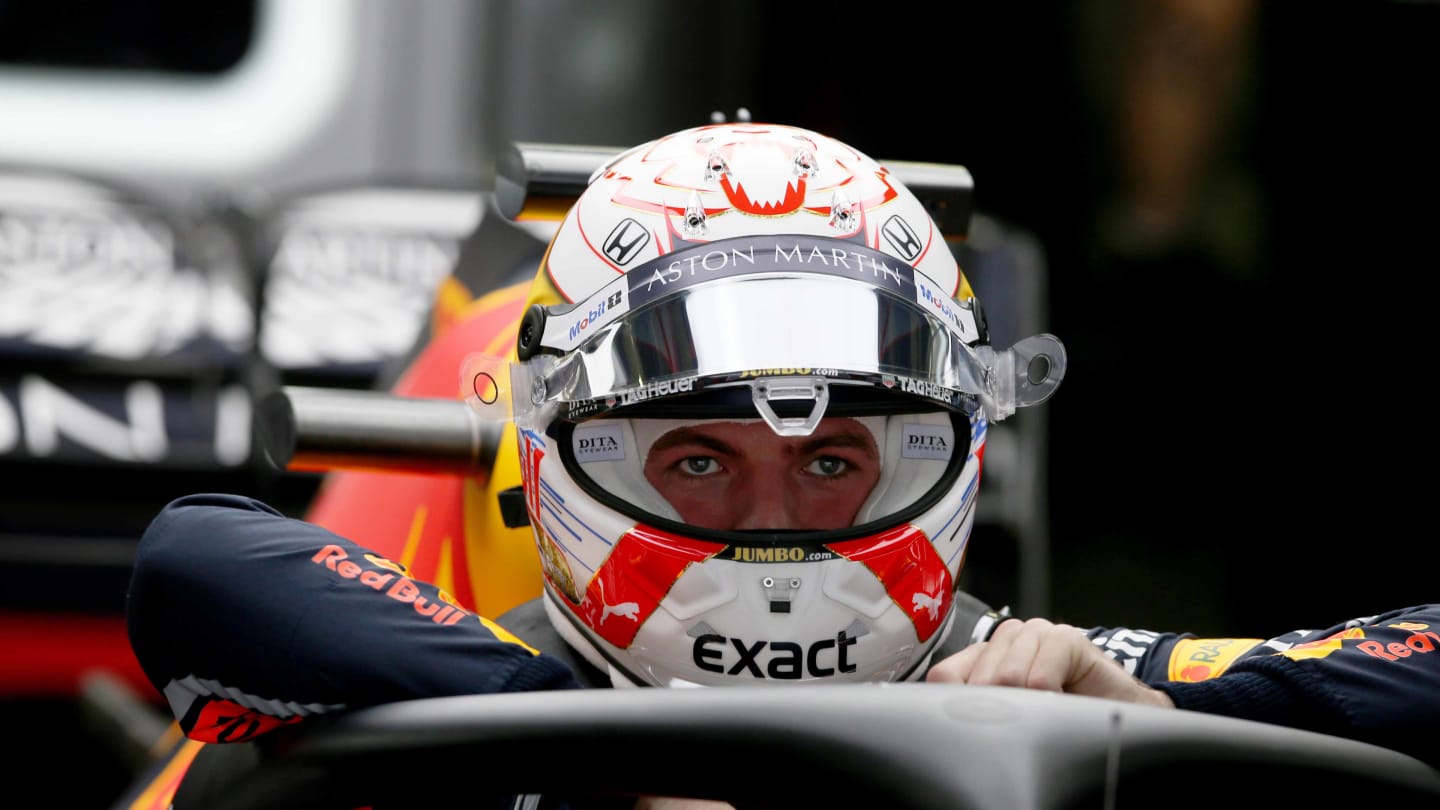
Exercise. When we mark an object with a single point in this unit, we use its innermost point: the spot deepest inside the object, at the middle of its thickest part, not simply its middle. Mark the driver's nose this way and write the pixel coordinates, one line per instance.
(767, 503)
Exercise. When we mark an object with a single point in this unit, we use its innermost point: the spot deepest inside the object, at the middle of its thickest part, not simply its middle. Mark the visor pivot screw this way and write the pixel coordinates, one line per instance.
(1038, 369)
(532, 328)
(537, 392)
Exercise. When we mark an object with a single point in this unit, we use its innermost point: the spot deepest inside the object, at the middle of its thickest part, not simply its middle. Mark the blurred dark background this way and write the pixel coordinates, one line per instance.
(1233, 199)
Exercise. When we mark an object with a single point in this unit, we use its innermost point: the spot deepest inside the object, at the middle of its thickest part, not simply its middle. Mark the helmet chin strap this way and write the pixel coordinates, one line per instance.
(775, 389)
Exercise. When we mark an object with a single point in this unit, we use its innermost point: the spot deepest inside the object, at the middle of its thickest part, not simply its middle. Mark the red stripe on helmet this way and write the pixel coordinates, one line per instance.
(644, 565)
(905, 562)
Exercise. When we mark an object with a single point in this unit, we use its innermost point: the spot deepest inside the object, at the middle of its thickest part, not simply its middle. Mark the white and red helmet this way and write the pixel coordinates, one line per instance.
(755, 272)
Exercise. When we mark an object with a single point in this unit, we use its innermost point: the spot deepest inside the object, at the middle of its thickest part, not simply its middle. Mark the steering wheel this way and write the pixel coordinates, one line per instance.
(904, 746)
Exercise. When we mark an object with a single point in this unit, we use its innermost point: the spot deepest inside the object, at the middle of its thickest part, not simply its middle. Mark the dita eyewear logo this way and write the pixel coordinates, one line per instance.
(935, 442)
(601, 443)
(626, 241)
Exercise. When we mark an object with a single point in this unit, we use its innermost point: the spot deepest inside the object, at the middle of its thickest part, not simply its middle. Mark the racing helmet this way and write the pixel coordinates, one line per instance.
(775, 283)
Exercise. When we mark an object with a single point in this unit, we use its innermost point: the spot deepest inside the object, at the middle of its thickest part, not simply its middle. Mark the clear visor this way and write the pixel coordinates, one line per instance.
(787, 328)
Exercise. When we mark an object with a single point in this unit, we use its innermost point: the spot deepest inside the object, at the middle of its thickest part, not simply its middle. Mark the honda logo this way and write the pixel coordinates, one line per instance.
(625, 241)
(900, 237)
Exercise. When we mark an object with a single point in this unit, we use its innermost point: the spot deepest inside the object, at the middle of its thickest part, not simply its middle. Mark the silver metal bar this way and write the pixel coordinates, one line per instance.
(323, 429)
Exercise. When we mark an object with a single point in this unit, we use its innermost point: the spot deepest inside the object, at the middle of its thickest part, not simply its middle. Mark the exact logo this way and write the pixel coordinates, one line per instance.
(782, 660)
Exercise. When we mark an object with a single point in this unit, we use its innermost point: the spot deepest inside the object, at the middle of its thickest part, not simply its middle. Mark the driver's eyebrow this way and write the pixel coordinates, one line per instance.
(681, 436)
(837, 440)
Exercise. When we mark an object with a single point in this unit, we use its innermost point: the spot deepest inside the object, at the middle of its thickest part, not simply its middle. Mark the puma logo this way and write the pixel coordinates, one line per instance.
(628, 610)
(930, 603)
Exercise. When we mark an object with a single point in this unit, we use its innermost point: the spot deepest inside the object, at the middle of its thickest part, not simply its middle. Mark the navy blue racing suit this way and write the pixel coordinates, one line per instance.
(248, 621)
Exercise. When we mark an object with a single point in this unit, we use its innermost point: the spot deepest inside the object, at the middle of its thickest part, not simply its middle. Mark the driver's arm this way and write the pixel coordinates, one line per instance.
(247, 620)
(1373, 679)
(1368, 679)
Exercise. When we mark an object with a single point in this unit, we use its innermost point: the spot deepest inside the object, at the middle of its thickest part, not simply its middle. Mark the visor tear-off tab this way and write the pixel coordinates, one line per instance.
(768, 389)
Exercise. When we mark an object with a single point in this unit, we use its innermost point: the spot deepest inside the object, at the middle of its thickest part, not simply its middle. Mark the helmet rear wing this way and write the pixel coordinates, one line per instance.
(540, 181)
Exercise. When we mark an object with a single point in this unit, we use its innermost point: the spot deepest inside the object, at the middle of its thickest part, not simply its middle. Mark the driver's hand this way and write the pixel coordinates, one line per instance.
(1039, 654)
(676, 803)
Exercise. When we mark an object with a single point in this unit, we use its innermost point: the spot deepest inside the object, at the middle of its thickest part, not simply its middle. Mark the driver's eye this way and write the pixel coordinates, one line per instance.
(699, 465)
(828, 466)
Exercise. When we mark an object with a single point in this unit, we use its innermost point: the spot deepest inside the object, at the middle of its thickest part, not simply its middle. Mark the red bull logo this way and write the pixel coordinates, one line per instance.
(1323, 647)
(1420, 642)
(400, 588)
